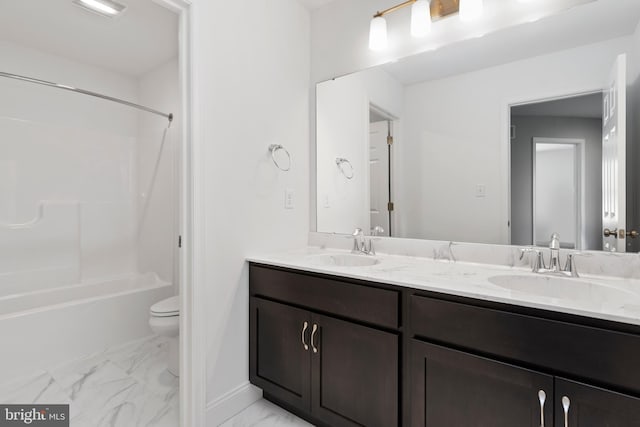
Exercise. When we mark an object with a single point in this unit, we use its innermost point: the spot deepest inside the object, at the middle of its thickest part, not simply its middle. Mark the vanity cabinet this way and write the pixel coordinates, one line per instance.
(590, 406)
(279, 363)
(343, 353)
(331, 359)
(456, 389)
(489, 366)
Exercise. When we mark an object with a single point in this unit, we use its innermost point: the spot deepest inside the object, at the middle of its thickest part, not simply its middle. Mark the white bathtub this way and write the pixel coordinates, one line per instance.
(39, 330)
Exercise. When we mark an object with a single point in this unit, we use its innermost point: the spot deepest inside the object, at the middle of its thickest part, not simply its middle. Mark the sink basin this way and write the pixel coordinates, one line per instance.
(562, 288)
(345, 260)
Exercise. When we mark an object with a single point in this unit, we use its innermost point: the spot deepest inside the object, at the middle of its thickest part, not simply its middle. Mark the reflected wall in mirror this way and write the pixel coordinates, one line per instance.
(489, 142)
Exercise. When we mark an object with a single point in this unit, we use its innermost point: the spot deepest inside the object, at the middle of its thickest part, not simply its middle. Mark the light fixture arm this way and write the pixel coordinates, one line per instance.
(394, 8)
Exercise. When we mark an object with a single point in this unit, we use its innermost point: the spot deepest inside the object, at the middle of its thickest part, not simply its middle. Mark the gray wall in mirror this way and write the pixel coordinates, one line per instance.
(452, 163)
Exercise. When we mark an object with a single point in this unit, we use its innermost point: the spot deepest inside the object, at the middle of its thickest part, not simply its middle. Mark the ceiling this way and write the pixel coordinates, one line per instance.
(579, 25)
(143, 38)
(314, 4)
(587, 106)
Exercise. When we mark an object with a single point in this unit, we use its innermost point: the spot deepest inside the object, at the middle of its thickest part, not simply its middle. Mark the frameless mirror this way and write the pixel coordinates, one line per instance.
(503, 139)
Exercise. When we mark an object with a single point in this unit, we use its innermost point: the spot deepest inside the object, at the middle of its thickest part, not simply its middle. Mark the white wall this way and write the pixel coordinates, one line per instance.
(74, 156)
(455, 132)
(47, 105)
(251, 89)
(343, 131)
(157, 196)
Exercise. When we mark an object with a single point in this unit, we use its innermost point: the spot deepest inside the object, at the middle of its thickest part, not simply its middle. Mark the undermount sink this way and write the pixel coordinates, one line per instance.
(345, 260)
(562, 288)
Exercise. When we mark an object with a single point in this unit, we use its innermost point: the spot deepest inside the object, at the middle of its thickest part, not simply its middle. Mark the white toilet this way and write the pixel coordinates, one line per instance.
(165, 321)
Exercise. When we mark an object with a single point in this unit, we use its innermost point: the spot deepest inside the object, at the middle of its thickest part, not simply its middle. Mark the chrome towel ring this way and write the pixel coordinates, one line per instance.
(274, 148)
(342, 161)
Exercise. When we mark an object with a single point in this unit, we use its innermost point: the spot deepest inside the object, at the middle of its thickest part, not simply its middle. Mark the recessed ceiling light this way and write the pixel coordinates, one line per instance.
(103, 7)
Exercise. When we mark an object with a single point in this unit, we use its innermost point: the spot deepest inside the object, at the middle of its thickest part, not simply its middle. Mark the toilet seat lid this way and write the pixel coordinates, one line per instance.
(167, 307)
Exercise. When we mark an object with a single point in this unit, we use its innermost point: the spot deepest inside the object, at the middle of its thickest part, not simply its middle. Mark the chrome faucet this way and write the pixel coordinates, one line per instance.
(362, 244)
(538, 264)
(554, 248)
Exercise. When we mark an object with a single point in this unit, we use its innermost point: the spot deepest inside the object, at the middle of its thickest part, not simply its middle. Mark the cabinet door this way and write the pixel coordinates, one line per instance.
(354, 374)
(450, 388)
(280, 363)
(588, 406)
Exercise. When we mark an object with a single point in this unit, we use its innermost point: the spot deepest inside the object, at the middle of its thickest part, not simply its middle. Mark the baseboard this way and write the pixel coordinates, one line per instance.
(231, 403)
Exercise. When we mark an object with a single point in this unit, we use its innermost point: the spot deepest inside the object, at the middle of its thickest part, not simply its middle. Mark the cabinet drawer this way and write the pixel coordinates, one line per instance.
(359, 302)
(607, 357)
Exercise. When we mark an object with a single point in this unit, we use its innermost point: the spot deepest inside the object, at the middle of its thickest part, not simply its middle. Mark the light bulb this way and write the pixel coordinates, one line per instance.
(378, 33)
(420, 18)
(471, 9)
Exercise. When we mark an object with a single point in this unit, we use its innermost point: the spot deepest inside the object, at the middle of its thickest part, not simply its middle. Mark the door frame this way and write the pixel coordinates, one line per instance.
(393, 123)
(579, 181)
(505, 147)
(192, 388)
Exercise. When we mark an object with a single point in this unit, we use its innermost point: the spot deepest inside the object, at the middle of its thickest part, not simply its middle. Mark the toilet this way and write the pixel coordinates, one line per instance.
(165, 321)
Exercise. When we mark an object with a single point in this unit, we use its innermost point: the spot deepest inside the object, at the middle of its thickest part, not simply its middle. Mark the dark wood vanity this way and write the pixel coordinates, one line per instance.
(343, 352)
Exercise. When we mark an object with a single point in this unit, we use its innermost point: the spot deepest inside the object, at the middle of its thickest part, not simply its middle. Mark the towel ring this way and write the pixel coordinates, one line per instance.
(340, 161)
(275, 147)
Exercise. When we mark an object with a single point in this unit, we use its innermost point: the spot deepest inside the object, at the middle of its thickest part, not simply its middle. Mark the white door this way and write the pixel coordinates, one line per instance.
(614, 158)
(379, 165)
(557, 190)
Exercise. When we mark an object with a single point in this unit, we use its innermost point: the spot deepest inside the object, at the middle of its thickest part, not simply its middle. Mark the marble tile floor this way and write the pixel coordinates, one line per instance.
(265, 414)
(123, 386)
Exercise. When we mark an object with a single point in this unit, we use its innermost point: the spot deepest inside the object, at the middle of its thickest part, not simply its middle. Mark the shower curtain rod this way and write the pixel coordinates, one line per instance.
(86, 92)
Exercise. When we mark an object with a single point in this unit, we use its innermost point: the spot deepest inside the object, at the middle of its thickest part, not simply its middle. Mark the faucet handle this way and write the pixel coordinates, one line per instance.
(375, 231)
(538, 262)
(570, 264)
(357, 240)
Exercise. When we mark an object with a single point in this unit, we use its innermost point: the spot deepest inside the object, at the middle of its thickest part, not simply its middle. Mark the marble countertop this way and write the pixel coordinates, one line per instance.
(603, 297)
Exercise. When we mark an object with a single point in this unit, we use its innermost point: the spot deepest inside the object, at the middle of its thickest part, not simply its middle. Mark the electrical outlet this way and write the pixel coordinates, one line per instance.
(481, 190)
(289, 198)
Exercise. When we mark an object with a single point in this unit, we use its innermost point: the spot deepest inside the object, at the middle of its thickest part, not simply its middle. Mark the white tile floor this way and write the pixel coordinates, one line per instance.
(124, 386)
(265, 414)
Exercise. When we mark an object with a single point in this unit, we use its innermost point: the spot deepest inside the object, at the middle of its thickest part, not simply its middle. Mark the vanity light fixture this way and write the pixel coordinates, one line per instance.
(420, 18)
(102, 7)
(422, 14)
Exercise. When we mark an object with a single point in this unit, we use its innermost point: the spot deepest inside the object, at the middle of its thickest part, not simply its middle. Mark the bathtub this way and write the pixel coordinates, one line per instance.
(39, 330)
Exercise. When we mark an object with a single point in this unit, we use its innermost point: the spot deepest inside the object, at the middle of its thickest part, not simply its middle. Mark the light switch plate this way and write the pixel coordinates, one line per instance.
(289, 198)
(326, 202)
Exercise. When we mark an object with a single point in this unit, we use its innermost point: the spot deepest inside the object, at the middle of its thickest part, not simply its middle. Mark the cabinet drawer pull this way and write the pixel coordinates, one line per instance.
(542, 397)
(566, 403)
(313, 334)
(304, 331)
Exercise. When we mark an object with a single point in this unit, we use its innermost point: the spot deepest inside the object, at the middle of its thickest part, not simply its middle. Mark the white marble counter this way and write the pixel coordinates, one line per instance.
(608, 298)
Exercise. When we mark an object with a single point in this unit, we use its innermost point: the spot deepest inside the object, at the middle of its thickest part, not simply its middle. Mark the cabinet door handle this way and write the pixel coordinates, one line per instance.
(566, 403)
(313, 334)
(542, 397)
(304, 331)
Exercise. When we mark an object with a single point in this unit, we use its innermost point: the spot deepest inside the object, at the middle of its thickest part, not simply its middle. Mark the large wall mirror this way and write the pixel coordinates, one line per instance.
(497, 140)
